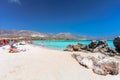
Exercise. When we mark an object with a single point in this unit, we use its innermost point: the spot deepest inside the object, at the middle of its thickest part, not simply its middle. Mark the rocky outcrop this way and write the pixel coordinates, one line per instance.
(106, 66)
(94, 46)
(100, 46)
(100, 64)
(117, 44)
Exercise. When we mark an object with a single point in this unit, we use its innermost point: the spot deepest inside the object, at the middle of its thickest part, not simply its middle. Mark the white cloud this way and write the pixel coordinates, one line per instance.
(15, 1)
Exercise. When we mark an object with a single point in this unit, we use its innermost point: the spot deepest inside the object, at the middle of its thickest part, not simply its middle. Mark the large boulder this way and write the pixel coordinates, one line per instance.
(106, 66)
(100, 64)
(117, 44)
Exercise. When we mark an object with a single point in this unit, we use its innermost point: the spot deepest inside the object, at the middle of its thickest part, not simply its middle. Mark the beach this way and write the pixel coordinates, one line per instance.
(39, 63)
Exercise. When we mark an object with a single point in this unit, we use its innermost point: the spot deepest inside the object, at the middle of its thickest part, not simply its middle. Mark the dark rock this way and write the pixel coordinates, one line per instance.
(101, 46)
(93, 44)
(102, 42)
(117, 44)
(112, 52)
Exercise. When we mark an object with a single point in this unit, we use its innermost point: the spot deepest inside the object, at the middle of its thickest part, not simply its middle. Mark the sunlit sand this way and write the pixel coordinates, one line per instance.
(39, 63)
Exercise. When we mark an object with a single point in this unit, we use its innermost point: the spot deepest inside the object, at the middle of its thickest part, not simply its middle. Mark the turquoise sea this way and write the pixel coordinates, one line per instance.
(62, 44)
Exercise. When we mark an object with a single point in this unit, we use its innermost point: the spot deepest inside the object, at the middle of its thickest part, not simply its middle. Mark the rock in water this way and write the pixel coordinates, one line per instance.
(117, 44)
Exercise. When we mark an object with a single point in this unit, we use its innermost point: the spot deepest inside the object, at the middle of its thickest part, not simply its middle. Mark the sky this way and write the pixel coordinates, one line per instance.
(83, 17)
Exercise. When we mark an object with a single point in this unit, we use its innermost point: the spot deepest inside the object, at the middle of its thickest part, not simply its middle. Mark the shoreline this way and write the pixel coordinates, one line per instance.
(116, 56)
(46, 47)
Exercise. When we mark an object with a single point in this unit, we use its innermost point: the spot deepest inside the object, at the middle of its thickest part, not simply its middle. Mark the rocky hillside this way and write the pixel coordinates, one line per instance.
(69, 36)
(20, 33)
(27, 33)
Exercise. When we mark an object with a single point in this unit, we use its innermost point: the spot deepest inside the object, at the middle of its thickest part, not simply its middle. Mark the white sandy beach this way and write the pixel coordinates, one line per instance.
(40, 63)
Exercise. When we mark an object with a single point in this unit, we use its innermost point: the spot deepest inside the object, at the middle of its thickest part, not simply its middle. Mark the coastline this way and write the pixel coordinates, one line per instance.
(40, 63)
(46, 47)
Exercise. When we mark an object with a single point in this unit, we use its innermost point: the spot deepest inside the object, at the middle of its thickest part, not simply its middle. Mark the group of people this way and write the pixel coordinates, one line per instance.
(7, 42)
(13, 45)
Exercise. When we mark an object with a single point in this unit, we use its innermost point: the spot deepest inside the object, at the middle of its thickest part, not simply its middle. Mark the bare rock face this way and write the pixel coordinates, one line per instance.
(99, 56)
(99, 69)
(106, 66)
(117, 44)
(100, 64)
(84, 61)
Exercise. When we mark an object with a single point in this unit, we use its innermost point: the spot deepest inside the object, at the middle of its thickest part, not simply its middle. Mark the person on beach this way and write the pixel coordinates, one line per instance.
(11, 42)
(13, 49)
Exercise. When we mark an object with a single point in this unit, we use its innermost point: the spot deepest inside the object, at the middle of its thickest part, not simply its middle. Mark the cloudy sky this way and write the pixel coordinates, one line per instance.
(85, 17)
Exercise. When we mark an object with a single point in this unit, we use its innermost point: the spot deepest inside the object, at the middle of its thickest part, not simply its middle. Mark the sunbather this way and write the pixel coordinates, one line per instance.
(13, 49)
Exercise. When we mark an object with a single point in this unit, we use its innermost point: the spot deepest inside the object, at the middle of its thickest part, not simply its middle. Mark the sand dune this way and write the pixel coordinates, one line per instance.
(40, 63)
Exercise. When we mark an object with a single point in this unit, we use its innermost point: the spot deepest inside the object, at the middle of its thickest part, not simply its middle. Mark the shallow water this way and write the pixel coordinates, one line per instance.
(62, 44)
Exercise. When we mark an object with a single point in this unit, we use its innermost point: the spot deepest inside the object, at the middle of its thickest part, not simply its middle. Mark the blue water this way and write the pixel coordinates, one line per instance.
(62, 44)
